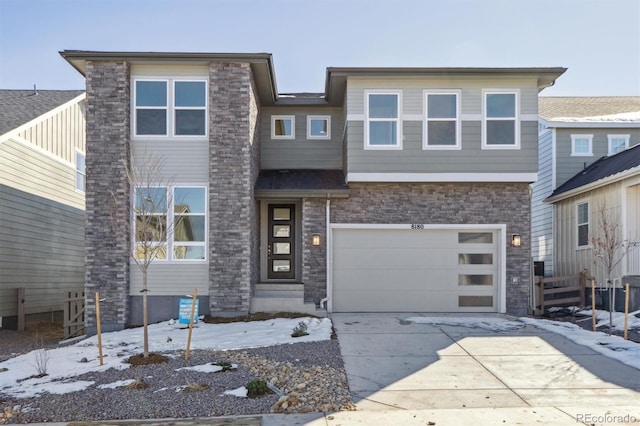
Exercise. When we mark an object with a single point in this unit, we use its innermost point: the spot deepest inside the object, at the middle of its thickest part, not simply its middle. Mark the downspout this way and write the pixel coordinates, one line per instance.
(324, 301)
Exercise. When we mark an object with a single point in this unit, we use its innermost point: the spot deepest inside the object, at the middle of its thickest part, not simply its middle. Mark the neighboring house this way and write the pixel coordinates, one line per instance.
(609, 188)
(574, 133)
(42, 147)
(397, 189)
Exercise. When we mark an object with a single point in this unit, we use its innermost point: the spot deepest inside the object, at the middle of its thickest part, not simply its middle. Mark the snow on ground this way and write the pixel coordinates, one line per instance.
(602, 317)
(64, 363)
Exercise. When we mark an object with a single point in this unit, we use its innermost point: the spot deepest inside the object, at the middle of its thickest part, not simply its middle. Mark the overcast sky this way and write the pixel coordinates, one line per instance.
(597, 40)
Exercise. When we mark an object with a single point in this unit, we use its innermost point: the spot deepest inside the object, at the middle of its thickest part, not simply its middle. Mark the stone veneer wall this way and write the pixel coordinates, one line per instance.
(107, 159)
(432, 203)
(233, 170)
(314, 258)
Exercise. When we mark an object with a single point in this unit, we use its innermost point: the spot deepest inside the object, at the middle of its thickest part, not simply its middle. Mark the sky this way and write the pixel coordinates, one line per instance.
(63, 363)
(597, 40)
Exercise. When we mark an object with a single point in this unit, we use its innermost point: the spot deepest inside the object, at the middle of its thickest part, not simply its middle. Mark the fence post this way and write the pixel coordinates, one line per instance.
(21, 319)
(541, 295)
(583, 287)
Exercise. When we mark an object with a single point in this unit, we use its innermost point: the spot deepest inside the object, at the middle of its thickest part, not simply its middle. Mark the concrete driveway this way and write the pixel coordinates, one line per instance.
(527, 374)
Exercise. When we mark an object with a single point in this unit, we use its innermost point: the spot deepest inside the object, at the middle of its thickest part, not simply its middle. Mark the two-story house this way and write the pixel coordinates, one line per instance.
(395, 190)
(42, 148)
(575, 133)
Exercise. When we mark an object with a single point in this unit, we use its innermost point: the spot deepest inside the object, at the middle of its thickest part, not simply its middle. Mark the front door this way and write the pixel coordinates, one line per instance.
(280, 248)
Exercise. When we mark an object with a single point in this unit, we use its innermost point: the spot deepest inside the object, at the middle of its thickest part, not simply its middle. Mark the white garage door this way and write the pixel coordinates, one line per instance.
(415, 270)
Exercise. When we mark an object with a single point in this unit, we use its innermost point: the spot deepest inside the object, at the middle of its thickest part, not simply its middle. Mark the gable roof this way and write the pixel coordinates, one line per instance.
(18, 107)
(601, 172)
(604, 109)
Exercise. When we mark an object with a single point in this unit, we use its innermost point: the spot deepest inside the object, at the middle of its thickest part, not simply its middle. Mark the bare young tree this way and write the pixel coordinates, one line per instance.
(152, 198)
(609, 247)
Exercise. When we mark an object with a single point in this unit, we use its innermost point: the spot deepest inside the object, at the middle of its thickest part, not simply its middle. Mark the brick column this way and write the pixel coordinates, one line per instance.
(107, 195)
(233, 170)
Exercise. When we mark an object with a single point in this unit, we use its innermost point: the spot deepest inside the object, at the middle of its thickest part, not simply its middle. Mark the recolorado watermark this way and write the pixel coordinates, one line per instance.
(606, 418)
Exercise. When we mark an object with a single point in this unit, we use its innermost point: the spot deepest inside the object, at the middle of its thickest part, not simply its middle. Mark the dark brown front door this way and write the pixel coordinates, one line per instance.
(281, 247)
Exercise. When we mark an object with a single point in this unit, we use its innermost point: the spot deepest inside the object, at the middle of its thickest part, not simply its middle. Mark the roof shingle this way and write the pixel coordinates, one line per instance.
(551, 108)
(18, 107)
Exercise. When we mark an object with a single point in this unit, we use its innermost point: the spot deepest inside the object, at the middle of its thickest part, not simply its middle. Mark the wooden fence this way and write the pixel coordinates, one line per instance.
(561, 286)
(74, 314)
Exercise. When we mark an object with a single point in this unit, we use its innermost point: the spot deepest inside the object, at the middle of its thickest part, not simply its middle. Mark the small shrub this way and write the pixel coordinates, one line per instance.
(226, 365)
(137, 384)
(41, 360)
(256, 388)
(300, 330)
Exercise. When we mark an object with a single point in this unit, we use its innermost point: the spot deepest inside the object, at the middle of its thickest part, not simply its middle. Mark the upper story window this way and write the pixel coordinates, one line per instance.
(170, 223)
(442, 124)
(617, 143)
(582, 222)
(501, 125)
(80, 172)
(581, 145)
(382, 127)
(170, 107)
(283, 127)
(318, 127)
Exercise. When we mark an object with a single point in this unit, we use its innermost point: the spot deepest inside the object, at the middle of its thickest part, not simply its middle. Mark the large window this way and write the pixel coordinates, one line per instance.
(442, 125)
(617, 143)
(582, 231)
(80, 172)
(501, 126)
(383, 128)
(170, 107)
(581, 145)
(170, 223)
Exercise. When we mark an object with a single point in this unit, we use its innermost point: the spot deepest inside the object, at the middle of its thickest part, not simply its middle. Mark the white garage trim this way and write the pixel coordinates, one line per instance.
(499, 228)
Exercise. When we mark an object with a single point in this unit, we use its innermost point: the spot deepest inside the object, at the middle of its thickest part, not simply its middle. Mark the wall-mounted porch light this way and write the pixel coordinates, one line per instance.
(516, 240)
(315, 239)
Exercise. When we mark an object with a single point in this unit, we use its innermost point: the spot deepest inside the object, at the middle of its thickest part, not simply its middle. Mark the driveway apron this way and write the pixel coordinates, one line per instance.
(392, 363)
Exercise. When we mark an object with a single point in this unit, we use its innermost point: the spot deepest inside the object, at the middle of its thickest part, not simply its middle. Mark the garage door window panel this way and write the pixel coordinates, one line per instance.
(475, 237)
(464, 279)
(475, 259)
(475, 301)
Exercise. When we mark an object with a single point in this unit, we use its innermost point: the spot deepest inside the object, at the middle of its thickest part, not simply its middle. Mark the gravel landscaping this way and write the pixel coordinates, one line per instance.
(306, 377)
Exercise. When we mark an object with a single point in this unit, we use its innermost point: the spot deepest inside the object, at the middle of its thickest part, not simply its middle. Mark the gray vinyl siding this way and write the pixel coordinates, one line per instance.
(471, 91)
(541, 213)
(567, 166)
(184, 161)
(172, 279)
(301, 153)
(41, 250)
(470, 159)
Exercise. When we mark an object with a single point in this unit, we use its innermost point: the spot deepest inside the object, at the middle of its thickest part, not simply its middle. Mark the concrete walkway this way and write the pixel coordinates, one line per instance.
(478, 376)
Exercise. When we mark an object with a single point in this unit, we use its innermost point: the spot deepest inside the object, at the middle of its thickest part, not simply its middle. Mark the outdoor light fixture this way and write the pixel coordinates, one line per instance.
(516, 240)
(315, 239)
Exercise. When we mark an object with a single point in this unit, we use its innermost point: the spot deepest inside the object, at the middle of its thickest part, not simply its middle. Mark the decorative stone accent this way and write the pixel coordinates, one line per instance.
(314, 258)
(107, 196)
(234, 165)
(432, 203)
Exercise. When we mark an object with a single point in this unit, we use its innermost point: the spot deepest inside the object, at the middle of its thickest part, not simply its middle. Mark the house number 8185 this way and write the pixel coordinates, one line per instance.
(417, 226)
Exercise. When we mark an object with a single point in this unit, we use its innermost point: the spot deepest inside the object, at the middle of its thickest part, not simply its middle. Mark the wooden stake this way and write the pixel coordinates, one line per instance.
(193, 310)
(98, 327)
(626, 311)
(593, 304)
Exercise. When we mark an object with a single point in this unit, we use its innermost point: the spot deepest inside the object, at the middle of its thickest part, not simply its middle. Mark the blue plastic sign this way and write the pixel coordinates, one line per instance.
(184, 315)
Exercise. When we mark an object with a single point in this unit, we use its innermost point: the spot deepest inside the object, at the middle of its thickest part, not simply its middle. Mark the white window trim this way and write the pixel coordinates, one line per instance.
(578, 224)
(318, 117)
(398, 120)
(574, 138)
(169, 242)
(610, 140)
(515, 119)
(82, 172)
(283, 117)
(426, 119)
(170, 107)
